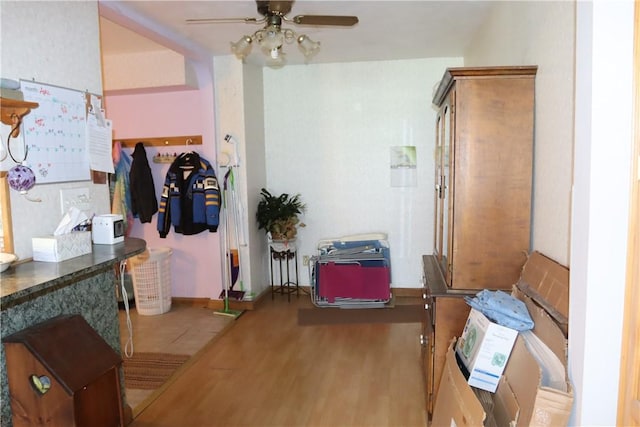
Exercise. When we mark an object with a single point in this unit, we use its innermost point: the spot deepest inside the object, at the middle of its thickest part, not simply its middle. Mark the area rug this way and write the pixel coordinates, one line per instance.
(148, 371)
(400, 313)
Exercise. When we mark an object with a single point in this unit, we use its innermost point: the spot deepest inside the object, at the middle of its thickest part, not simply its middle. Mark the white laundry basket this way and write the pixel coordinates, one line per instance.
(152, 281)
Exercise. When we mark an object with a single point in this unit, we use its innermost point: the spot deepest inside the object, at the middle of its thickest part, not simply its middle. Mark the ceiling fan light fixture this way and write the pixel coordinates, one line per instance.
(242, 47)
(271, 37)
(277, 60)
(289, 35)
(308, 47)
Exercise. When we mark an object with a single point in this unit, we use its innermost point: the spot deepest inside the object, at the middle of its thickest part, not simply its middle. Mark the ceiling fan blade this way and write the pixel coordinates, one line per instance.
(343, 21)
(221, 20)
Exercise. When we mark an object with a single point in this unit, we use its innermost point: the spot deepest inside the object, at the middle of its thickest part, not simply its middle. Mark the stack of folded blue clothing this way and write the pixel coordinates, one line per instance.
(503, 309)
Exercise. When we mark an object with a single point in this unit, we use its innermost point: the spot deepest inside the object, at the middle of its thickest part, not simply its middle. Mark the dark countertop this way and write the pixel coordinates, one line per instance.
(435, 285)
(24, 280)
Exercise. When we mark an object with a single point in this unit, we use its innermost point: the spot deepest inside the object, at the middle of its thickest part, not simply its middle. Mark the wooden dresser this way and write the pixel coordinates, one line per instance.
(483, 189)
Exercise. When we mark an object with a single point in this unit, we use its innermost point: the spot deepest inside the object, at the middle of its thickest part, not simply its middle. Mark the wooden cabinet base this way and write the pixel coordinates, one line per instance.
(62, 373)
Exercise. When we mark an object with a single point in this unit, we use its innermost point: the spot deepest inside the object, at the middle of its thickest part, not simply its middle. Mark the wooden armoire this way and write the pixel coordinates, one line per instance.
(483, 191)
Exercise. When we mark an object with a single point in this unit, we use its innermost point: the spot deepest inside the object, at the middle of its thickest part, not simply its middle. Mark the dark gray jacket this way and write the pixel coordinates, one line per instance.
(143, 194)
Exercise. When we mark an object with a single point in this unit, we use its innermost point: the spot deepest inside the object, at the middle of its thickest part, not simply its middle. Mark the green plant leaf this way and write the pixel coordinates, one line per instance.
(279, 215)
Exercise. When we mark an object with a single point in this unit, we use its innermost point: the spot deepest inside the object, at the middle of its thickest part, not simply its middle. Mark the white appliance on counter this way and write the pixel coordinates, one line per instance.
(107, 229)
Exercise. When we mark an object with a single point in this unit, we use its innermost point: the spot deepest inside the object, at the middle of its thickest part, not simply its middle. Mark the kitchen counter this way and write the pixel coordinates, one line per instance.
(31, 279)
(34, 292)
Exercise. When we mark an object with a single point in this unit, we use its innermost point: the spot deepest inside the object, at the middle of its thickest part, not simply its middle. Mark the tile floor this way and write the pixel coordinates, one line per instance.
(185, 329)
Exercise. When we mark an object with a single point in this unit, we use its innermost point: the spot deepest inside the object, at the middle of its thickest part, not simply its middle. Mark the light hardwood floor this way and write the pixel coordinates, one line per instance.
(265, 370)
(185, 329)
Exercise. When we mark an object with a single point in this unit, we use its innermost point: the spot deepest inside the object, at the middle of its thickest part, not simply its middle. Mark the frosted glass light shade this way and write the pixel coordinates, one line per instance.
(278, 61)
(242, 47)
(308, 47)
(271, 38)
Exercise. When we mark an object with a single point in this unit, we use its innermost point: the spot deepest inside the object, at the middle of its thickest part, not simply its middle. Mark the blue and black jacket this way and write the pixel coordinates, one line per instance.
(190, 197)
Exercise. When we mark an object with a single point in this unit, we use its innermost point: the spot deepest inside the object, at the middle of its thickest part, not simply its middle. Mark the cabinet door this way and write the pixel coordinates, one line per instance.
(447, 179)
(443, 186)
(437, 202)
(427, 341)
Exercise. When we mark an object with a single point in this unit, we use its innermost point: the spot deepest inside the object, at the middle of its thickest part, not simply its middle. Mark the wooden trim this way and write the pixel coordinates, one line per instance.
(162, 141)
(407, 292)
(629, 389)
(217, 304)
(456, 73)
(7, 222)
(127, 412)
(190, 302)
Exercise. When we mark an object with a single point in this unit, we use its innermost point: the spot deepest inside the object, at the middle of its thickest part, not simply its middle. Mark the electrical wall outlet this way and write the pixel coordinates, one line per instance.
(305, 260)
(79, 198)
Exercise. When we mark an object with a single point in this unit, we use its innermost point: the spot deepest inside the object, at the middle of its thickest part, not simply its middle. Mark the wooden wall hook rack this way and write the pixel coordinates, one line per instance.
(162, 141)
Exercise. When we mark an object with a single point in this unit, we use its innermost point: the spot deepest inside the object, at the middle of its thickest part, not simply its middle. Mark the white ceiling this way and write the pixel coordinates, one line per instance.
(388, 30)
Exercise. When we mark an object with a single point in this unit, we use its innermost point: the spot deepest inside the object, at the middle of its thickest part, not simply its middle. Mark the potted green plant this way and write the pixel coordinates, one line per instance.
(278, 215)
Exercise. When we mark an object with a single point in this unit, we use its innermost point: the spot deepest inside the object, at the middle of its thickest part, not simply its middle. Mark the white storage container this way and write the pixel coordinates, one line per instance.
(151, 272)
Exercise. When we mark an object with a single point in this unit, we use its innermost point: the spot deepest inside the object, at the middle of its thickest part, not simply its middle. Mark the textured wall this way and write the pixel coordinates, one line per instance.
(134, 71)
(240, 113)
(56, 43)
(195, 261)
(329, 129)
(542, 34)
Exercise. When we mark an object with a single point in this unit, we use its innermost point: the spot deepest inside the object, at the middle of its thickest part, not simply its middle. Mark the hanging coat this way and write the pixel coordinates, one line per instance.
(143, 194)
(190, 197)
(119, 187)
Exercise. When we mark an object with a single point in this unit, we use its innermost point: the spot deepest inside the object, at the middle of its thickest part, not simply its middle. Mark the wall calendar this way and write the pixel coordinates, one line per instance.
(55, 133)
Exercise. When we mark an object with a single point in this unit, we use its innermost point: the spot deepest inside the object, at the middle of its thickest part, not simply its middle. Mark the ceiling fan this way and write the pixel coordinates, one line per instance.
(272, 36)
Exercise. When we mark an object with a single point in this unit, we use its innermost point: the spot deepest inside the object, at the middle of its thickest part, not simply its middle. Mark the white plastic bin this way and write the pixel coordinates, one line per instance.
(152, 281)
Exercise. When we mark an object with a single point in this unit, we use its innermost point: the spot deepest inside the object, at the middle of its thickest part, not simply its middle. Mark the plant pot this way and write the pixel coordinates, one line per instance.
(282, 245)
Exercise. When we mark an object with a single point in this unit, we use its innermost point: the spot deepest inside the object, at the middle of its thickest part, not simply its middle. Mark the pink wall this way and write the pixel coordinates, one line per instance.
(196, 260)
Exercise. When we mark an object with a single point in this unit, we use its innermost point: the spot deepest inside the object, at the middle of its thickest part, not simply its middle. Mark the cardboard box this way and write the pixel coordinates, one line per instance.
(458, 405)
(484, 349)
(60, 248)
(539, 405)
(547, 283)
